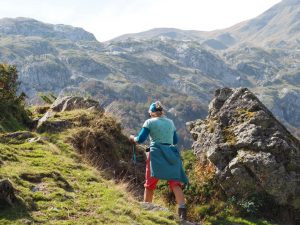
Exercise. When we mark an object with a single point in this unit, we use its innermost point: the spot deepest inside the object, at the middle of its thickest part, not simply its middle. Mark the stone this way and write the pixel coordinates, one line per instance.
(40, 139)
(63, 104)
(7, 192)
(17, 137)
(70, 103)
(252, 151)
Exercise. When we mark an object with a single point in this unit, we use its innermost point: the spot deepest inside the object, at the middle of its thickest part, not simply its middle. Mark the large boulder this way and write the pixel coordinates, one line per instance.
(253, 153)
(68, 103)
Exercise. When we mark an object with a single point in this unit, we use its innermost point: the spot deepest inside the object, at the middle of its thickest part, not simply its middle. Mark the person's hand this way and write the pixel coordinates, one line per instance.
(131, 139)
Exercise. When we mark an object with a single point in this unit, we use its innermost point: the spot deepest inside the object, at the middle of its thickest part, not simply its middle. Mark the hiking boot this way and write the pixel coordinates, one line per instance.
(182, 213)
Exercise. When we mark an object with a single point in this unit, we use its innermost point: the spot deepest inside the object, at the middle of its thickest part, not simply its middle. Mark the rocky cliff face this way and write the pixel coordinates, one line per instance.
(252, 151)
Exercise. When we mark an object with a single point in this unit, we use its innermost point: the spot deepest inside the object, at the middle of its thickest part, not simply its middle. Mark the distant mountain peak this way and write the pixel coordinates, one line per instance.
(279, 23)
(162, 32)
(31, 27)
(291, 1)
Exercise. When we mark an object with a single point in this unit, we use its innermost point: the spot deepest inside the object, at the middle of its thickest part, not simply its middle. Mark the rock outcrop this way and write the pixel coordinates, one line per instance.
(17, 136)
(67, 103)
(7, 192)
(70, 103)
(252, 151)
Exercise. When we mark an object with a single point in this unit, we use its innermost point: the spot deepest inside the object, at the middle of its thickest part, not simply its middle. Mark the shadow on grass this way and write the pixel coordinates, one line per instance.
(14, 213)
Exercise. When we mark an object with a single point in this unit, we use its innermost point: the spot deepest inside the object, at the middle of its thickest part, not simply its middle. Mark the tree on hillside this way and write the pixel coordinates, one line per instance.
(8, 83)
(12, 111)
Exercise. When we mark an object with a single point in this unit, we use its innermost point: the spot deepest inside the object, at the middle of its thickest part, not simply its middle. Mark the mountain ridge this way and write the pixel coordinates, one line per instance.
(31, 27)
(247, 31)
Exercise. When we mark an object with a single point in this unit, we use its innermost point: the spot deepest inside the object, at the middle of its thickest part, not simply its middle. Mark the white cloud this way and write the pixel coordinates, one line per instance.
(110, 18)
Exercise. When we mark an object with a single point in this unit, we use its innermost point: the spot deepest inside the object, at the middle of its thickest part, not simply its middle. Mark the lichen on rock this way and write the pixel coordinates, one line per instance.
(252, 151)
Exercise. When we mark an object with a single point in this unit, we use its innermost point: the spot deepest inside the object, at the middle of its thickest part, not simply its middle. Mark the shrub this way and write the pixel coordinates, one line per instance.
(8, 83)
(13, 115)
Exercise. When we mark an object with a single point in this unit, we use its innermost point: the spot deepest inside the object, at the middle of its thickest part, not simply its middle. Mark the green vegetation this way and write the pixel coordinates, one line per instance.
(57, 186)
(48, 98)
(13, 116)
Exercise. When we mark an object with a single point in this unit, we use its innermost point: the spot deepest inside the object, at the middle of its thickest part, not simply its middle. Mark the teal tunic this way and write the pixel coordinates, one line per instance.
(165, 163)
(165, 160)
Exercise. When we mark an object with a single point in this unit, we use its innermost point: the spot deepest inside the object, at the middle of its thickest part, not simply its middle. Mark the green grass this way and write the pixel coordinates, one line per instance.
(9, 122)
(58, 187)
(13, 117)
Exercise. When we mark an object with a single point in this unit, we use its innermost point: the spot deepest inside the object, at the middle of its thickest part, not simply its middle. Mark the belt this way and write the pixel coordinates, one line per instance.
(148, 148)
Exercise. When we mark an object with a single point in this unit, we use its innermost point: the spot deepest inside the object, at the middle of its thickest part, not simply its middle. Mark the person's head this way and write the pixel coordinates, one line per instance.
(155, 109)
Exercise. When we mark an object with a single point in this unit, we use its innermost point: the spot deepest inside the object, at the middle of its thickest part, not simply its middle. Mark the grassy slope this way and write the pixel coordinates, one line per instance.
(58, 187)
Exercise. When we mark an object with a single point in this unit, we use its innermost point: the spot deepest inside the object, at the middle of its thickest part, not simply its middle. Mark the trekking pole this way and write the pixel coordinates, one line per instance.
(134, 160)
(134, 154)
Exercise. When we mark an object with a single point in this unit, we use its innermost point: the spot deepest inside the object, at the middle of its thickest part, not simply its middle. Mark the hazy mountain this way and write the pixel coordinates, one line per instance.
(29, 27)
(167, 33)
(277, 27)
(178, 67)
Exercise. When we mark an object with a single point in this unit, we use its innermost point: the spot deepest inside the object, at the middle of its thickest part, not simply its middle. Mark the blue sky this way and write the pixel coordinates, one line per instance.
(107, 19)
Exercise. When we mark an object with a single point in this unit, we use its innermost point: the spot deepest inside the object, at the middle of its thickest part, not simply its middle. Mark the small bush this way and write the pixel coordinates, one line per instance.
(13, 115)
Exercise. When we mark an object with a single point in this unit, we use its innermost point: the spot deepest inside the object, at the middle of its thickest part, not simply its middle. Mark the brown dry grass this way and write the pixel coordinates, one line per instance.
(99, 139)
(204, 172)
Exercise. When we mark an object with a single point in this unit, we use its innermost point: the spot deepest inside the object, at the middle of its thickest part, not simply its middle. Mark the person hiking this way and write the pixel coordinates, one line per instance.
(163, 160)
